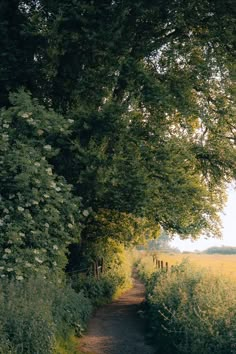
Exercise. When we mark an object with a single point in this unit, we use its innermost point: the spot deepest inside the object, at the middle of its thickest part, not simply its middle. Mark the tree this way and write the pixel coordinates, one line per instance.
(148, 87)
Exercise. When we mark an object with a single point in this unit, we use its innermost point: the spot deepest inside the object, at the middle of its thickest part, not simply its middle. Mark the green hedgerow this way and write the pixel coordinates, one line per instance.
(39, 214)
(35, 314)
(191, 310)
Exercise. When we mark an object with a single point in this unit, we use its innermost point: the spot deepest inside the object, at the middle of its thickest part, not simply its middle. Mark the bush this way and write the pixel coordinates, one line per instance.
(190, 310)
(35, 314)
(40, 215)
(103, 290)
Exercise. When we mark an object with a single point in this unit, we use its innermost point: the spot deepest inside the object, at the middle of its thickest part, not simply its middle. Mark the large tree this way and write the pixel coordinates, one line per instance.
(148, 87)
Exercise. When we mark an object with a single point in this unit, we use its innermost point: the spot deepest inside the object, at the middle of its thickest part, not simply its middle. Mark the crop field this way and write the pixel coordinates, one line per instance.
(220, 264)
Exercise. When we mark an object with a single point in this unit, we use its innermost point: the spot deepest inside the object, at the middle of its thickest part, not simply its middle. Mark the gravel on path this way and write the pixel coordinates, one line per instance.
(117, 328)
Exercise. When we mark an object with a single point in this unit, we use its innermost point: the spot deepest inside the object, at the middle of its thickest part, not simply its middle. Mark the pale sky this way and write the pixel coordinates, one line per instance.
(229, 229)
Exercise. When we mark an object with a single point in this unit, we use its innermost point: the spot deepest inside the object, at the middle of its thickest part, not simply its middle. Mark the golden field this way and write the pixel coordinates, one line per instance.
(220, 264)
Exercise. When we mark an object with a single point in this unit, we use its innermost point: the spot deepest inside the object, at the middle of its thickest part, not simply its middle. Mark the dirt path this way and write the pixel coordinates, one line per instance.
(117, 328)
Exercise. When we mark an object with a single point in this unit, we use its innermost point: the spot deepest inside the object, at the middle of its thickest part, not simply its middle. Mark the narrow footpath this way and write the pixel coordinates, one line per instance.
(117, 328)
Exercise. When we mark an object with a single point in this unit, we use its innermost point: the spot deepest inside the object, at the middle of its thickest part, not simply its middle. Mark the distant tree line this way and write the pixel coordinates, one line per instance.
(220, 250)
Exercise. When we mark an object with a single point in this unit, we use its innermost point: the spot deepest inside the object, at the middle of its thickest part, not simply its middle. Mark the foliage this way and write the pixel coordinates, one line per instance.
(39, 214)
(221, 250)
(161, 244)
(112, 280)
(150, 89)
(123, 228)
(191, 310)
(37, 313)
(130, 127)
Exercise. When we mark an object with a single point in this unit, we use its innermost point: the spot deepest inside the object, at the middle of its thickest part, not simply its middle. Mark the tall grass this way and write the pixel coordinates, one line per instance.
(35, 314)
(38, 316)
(190, 310)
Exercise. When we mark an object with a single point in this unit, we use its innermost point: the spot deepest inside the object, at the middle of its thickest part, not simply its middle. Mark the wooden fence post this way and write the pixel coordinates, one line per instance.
(162, 265)
(167, 266)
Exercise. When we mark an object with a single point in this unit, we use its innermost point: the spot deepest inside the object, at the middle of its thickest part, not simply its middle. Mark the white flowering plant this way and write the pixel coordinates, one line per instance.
(39, 215)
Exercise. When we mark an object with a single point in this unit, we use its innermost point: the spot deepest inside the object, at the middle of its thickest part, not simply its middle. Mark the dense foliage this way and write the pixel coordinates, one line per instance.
(36, 315)
(116, 120)
(41, 316)
(149, 88)
(190, 310)
(40, 215)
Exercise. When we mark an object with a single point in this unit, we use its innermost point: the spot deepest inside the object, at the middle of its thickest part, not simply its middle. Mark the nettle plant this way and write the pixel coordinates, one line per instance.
(39, 216)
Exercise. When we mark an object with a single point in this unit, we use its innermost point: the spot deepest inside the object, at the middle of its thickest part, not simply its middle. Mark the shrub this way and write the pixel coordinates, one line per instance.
(102, 290)
(39, 214)
(191, 310)
(36, 313)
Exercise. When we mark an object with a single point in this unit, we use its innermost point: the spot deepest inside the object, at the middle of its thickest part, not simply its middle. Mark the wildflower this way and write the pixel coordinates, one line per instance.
(53, 185)
(46, 196)
(70, 121)
(19, 277)
(31, 121)
(7, 250)
(1, 222)
(5, 256)
(1, 268)
(26, 115)
(38, 260)
(49, 171)
(5, 125)
(34, 202)
(58, 189)
(46, 225)
(55, 247)
(40, 132)
(37, 164)
(47, 147)
(5, 137)
(70, 226)
(9, 270)
(20, 208)
(85, 213)
(22, 234)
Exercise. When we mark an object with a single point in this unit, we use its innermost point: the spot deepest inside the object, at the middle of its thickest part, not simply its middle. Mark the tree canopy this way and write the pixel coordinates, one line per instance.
(148, 89)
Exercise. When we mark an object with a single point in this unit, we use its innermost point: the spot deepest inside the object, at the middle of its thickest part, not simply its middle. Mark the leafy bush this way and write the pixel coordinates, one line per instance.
(190, 310)
(36, 314)
(39, 214)
(116, 276)
(101, 290)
